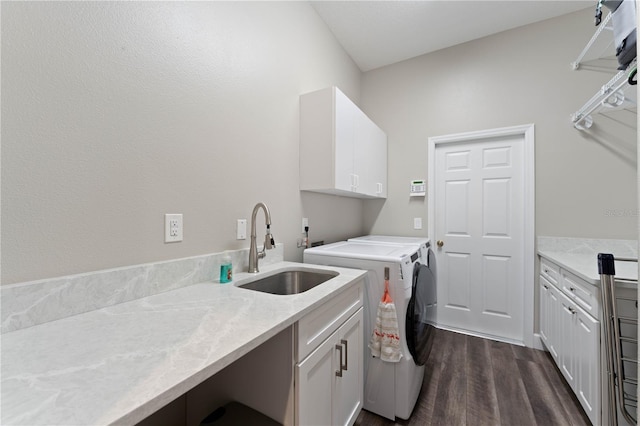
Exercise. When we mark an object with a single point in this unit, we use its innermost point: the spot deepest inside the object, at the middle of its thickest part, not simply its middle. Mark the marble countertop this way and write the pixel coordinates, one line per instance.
(121, 363)
(585, 265)
(580, 256)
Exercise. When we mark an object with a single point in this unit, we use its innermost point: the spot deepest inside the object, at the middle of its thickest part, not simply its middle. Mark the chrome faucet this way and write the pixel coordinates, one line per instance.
(269, 243)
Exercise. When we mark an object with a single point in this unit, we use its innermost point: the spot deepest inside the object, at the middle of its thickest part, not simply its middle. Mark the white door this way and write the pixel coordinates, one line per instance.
(479, 229)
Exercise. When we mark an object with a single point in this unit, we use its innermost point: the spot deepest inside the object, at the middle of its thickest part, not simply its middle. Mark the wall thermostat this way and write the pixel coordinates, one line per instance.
(418, 188)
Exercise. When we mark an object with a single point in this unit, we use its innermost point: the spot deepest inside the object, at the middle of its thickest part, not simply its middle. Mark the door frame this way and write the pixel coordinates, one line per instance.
(527, 133)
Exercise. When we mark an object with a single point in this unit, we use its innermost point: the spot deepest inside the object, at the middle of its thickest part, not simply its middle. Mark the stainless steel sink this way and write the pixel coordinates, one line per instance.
(290, 282)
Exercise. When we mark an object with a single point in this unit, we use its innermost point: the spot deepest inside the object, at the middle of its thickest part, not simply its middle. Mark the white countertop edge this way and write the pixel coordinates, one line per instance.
(585, 266)
(129, 410)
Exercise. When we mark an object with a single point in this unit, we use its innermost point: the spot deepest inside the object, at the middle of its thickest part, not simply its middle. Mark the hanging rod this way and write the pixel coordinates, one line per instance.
(603, 25)
(609, 96)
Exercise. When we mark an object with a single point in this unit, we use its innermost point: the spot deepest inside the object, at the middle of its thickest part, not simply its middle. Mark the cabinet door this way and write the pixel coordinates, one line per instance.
(315, 379)
(348, 391)
(553, 322)
(370, 157)
(345, 116)
(544, 310)
(587, 349)
(378, 157)
(566, 341)
(323, 397)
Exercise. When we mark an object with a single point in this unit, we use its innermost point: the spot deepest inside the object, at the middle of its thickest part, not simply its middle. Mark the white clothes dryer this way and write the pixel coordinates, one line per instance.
(390, 389)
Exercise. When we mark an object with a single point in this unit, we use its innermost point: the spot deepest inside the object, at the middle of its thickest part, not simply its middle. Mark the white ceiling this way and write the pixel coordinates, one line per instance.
(379, 33)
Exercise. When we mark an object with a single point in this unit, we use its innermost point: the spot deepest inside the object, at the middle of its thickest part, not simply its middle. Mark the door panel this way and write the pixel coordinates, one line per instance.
(496, 212)
(495, 281)
(457, 207)
(496, 157)
(457, 160)
(457, 293)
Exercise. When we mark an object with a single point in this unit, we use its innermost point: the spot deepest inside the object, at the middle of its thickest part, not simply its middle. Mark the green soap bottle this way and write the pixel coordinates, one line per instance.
(226, 269)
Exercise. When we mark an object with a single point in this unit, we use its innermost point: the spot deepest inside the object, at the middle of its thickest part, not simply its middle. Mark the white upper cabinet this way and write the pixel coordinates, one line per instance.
(342, 151)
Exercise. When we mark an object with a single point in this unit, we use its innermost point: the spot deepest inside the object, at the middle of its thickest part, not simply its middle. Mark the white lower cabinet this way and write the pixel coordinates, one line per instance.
(330, 379)
(572, 335)
(329, 370)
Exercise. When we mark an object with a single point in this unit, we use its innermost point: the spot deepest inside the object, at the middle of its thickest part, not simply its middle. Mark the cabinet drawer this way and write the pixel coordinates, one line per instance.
(585, 295)
(549, 270)
(315, 327)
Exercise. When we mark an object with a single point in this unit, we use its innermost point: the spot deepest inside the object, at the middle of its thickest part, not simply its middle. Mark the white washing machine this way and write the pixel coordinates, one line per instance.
(427, 257)
(390, 389)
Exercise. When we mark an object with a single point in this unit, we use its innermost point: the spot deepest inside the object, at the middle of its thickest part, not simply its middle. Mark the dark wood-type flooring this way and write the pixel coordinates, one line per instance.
(474, 381)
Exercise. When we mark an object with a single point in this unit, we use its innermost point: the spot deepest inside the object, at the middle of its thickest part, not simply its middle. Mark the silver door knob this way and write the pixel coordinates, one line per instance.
(440, 243)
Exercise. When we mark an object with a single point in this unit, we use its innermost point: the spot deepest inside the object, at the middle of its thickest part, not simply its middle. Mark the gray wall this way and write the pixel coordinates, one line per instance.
(586, 183)
(115, 113)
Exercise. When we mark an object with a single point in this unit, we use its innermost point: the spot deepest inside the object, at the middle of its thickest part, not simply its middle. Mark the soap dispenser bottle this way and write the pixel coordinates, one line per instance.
(226, 269)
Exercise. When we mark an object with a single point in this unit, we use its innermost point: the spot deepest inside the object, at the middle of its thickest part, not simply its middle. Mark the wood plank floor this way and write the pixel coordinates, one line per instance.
(474, 381)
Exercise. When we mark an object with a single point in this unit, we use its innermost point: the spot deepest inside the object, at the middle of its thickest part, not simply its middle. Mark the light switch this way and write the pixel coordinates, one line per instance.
(417, 223)
(241, 229)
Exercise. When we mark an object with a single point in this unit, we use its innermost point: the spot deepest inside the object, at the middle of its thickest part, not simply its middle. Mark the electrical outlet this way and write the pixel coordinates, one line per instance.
(172, 228)
(305, 223)
(241, 229)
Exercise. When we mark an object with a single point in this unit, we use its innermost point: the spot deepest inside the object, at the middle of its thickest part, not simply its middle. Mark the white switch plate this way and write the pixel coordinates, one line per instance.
(417, 223)
(172, 228)
(241, 229)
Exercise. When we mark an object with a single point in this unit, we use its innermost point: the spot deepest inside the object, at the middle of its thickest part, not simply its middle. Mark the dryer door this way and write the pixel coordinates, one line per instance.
(420, 330)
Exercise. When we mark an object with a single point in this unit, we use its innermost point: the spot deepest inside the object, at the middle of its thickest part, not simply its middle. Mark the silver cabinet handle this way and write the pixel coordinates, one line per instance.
(346, 355)
(573, 312)
(339, 372)
(572, 289)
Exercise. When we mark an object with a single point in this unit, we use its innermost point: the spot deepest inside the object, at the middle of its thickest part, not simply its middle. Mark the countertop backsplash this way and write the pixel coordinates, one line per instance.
(36, 302)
